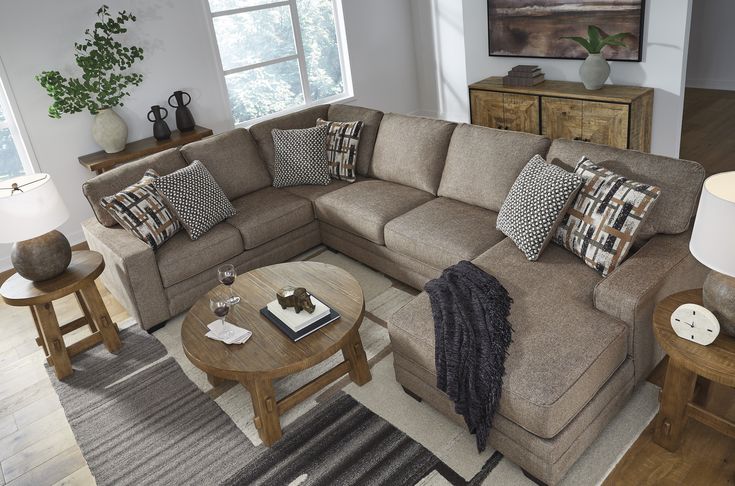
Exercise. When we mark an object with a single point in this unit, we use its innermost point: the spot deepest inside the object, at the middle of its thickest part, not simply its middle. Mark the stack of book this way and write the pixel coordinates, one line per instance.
(298, 325)
(524, 75)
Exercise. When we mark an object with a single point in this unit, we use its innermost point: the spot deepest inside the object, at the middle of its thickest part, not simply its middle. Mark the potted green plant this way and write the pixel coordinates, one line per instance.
(106, 78)
(595, 69)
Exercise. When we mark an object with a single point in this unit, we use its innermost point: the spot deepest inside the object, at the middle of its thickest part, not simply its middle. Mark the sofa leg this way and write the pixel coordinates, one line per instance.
(533, 478)
(412, 394)
(155, 328)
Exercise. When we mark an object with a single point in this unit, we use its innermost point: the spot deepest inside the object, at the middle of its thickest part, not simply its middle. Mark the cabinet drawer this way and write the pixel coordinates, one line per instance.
(561, 118)
(521, 113)
(487, 108)
(605, 123)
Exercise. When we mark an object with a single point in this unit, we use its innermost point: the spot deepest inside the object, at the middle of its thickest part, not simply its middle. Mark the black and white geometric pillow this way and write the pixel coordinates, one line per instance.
(602, 224)
(535, 205)
(196, 199)
(342, 143)
(141, 210)
(301, 157)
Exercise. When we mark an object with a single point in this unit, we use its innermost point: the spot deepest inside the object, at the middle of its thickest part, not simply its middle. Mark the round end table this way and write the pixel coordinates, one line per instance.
(78, 279)
(689, 361)
(269, 354)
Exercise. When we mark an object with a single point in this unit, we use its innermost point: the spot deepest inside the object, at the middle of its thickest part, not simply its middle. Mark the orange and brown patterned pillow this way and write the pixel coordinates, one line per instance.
(343, 139)
(141, 210)
(608, 212)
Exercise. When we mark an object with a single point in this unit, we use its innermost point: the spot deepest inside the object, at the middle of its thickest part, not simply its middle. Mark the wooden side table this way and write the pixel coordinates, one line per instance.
(689, 362)
(78, 279)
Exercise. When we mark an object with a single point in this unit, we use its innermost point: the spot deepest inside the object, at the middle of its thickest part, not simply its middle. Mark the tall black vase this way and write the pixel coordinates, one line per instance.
(184, 118)
(161, 131)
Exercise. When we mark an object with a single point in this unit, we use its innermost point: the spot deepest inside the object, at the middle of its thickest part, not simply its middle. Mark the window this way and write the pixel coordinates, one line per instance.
(14, 160)
(280, 55)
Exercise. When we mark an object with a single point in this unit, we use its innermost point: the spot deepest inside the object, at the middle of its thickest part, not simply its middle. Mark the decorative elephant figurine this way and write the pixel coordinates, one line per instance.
(298, 298)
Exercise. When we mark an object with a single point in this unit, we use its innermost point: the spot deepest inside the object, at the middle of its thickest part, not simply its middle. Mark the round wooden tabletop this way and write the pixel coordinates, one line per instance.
(269, 353)
(715, 362)
(84, 268)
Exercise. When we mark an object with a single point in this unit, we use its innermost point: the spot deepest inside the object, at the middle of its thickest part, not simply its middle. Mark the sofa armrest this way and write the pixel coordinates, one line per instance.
(630, 293)
(131, 272)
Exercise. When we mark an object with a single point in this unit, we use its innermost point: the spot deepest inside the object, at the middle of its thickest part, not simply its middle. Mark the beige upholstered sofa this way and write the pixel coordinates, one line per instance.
(427, 196)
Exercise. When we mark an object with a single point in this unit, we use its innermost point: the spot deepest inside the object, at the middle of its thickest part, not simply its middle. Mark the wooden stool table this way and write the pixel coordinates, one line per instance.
(269, 354)
(689, 363)
(78, 279)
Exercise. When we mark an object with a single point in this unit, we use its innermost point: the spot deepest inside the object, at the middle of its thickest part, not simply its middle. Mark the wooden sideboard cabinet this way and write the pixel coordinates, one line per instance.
(619, 116)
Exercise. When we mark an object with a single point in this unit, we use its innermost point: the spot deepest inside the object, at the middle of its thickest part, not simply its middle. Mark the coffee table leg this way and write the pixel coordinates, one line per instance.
(54, 340)
(101, 317)
(355, 354)
(672, 417)
(265, 406)
(215, 380)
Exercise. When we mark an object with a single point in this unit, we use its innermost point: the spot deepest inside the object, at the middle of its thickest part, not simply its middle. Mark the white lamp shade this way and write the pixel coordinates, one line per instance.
(33, 210)
(713, 237)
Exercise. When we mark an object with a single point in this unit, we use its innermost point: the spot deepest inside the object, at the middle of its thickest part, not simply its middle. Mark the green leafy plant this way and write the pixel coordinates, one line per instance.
(596, 41)
(104, 62)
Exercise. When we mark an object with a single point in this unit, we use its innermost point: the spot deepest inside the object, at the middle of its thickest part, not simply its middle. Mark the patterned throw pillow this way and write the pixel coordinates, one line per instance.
(196, 199)
(141, 210)
(301, 157)
(601, 225)
(535, 204)
(342, 141)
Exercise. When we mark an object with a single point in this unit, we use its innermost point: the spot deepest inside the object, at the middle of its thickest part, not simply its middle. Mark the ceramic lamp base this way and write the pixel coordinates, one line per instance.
(718, 293)
(41, 258)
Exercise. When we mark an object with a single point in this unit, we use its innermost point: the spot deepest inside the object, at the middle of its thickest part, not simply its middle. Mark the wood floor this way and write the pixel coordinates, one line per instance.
(38, 448)
(707, 130)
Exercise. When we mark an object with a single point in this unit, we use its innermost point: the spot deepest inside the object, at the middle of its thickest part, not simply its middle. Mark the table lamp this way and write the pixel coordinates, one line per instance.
(30, 211)
(713, 244)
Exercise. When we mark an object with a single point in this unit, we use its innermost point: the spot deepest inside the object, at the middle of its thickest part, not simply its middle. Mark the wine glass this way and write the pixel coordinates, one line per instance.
(221, 307)
(226, 274)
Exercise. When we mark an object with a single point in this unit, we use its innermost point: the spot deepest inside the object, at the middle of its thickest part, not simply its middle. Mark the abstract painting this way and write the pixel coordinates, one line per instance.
(533, 28)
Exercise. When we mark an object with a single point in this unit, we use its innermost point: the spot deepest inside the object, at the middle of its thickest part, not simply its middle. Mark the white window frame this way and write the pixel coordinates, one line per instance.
(345, 96)
(14, 123)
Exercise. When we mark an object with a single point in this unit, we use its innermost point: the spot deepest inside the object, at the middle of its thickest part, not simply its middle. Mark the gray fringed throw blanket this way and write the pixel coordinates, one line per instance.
(470, 309)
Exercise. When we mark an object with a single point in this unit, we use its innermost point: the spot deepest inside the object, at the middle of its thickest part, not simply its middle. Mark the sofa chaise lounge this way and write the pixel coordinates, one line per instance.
(427, 196)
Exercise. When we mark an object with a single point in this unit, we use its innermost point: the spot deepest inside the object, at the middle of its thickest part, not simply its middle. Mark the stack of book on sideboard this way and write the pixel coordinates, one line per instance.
(524, 75)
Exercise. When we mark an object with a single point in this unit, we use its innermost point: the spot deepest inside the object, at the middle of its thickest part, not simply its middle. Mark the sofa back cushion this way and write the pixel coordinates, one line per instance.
(233, 160)
(680, 180)
(301, 119)
(117, 179)
(411, 150)
(482, 164)
(371, 122)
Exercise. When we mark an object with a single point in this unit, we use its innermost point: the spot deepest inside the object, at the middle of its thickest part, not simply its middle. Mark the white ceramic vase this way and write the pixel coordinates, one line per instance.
(594, 71)
(109, 131)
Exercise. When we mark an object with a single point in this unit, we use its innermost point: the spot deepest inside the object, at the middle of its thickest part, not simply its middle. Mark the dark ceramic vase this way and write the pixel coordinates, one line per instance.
(161, 131)
(184, 118)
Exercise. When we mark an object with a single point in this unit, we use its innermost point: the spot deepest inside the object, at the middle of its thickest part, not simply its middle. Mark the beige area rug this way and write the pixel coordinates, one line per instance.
(384, 396)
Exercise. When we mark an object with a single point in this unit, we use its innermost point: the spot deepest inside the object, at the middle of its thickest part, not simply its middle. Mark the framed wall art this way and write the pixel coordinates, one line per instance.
(533, 28)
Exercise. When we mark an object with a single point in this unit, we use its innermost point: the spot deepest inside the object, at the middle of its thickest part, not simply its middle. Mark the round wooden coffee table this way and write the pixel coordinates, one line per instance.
(269, 354)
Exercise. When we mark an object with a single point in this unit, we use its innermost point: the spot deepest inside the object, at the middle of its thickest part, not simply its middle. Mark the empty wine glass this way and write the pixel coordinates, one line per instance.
(221, 307)
(226, 274)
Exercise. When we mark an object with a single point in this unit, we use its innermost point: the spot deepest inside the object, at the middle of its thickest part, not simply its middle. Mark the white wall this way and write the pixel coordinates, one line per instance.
(664, 60)
(711, 63)
(38, 35)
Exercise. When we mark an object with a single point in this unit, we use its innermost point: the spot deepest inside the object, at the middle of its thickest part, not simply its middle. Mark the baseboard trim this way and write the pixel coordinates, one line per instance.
(704, 83)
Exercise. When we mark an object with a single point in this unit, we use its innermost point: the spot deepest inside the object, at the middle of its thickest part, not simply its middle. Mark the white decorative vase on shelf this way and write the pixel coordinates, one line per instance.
(594, 71)
(109, 131)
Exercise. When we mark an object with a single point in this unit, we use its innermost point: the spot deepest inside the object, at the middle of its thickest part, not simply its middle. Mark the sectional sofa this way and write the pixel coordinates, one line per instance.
(426, 197)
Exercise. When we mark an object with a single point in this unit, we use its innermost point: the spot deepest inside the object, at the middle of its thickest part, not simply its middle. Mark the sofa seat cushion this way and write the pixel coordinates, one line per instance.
(181, 258)
(268, 213)
(364, 208)
(442, 232)
(563, 349)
